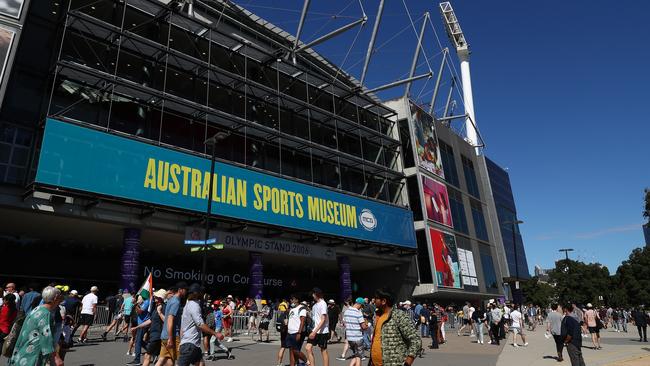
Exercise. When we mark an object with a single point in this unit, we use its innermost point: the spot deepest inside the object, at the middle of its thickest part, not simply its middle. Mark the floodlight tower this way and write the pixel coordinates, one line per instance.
(457, 38)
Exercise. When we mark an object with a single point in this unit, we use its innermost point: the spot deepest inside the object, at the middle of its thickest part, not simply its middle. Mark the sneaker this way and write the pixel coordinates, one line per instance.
(104, 336)
(515, 345)
(341, 358)
(526, 344)
(128, 353)
(229, 356)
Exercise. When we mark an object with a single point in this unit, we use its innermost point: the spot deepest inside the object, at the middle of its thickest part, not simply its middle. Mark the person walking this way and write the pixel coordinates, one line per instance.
(424, 320)
(481, 319)
(495, 322)
(333, 315)
(320, 334)
(88, 309)
(517, 326)
(466, 318)
(35, 345)
(554, 327)
(296, 330)
(433, 329)
(594, 324)
(355, 324)
(281, 321)
(640, 319)
(156, 319)
(571, 334)
(192, 329)
(170, 335)
(142, 310)
(395, 341)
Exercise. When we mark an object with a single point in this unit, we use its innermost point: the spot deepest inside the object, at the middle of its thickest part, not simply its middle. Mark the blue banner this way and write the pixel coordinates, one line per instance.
(89, 160)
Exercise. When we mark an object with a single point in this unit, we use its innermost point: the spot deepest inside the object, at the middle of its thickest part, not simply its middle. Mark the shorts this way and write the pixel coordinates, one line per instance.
(320, 340)
(189, 355)
(86, 319)
(264, 325)
(227, 323)
(293, 343)
(516, 330)
(172, 354)
(593, 330)
(357, 348)
(118, 316)
(153, 347)
(465, 321)
(283, 340)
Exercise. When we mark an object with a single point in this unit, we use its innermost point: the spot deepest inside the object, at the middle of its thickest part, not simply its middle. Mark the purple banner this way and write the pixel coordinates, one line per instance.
(256, 276)
(130, 260)
(345, 279)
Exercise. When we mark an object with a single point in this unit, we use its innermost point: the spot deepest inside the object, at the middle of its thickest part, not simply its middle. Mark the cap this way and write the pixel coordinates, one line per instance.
(216, 302)
(330, 301)
(407, 302)
(282, 307)
(263, 302)
(304, 303)
(589, 305)
(195, 288)
(161, 293)
(229, 297)
(74, 293)
(360, 300)
(94, 289)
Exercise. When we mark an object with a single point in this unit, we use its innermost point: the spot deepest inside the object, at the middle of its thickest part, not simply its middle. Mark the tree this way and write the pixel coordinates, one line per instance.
(633, 277)
(539, 293)
(646, 211)
(580, 282)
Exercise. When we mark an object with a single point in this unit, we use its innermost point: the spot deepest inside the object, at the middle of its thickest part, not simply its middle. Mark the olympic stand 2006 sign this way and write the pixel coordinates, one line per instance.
(85, 159)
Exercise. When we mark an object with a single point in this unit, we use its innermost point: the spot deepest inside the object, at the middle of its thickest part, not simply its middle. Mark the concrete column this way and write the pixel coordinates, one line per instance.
(256, 280)
(345, 279)
(130, 260)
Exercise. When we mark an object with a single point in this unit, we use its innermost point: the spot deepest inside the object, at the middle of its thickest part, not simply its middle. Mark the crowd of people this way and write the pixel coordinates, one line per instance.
(182, 325)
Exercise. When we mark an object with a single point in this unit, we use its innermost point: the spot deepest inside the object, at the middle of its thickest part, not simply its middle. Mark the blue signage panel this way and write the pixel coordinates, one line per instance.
(88, 160)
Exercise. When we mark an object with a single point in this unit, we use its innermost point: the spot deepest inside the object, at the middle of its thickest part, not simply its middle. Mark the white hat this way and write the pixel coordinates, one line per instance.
(94, 289)
(407, 302)
(331, 301)
(229, 297)
(589, 305)
(74, 293)
(161, 293)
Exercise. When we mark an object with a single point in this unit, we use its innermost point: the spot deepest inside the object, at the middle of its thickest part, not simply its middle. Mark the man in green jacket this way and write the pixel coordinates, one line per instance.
(395, 341)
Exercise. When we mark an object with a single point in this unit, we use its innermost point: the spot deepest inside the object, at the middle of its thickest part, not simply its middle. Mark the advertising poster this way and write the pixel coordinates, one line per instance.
(445, 258)
(426, 141)
(436, 201)
(467, 267)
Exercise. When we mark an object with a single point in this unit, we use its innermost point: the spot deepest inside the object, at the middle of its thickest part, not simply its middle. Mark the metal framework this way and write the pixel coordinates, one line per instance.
(200, 50)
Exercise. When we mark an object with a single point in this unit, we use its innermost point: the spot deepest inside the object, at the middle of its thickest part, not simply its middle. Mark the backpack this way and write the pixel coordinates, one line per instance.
(309, 323)
(280, 322)
(11, 338)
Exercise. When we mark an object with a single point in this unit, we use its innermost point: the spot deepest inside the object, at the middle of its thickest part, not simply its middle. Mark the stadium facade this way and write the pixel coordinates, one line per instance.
(112, 112)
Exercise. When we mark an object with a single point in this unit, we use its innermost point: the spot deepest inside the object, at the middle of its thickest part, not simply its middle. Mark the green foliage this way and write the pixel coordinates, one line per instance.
(633, 277)
(646, 211)
(538, 293)
(580, 282)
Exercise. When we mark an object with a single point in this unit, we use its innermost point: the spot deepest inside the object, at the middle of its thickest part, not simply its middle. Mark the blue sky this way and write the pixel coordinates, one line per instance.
(560, 91)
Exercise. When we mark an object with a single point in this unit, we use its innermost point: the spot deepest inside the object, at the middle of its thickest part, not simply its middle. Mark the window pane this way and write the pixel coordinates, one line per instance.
(11, 8)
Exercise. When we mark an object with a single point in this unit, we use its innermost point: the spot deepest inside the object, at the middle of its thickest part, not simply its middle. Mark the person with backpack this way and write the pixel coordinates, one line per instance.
(281, 321)
(265, 320)
(35, 344)
(296, 330)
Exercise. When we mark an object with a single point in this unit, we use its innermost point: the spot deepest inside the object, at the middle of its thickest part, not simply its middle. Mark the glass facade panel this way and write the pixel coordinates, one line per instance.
(470, 177)
(506, 214)
(479, 220)
(489, 273)
(449, 163)
(458, 211)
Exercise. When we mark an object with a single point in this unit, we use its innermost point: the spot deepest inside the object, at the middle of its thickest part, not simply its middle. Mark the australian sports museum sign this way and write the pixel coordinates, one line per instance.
(85, 159)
